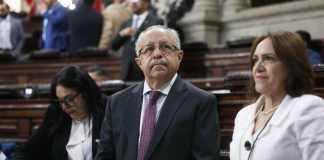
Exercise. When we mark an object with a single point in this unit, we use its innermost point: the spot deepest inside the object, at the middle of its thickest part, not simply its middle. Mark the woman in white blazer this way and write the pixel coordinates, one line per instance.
(286, 122)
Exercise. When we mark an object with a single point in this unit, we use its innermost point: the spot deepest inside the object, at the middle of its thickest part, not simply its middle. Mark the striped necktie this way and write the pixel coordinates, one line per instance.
(148, 124)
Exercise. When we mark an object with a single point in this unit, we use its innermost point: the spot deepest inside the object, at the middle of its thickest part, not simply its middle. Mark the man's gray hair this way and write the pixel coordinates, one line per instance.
(173, 34)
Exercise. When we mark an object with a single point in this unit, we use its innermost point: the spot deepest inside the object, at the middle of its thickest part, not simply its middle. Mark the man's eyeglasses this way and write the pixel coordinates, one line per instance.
(165, 48)
(67, 100)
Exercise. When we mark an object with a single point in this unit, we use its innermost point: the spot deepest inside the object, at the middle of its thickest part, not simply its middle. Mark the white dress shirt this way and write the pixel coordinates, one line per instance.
(165, 89)
(5, 29)
(2, 156)
(79, 146)
(139, 19)
(295, 131)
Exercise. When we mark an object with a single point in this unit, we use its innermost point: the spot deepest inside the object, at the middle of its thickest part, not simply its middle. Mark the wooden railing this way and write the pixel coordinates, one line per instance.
(194, 65)
(41, 71)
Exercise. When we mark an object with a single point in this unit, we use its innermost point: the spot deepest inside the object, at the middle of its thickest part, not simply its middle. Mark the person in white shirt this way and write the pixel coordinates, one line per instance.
(11, 31)
(71, 125)
(286, 121)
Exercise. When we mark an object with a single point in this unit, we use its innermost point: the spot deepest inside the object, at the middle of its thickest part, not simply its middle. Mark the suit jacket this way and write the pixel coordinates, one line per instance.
(295, 131)
(187, 128)
(49, 141)
(130, 70)
(16, 35)
(85, 26)
(56, 29)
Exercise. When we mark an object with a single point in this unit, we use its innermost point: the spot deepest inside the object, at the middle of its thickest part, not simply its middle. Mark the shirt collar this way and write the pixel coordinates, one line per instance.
(7, 18)
(165, 89)
(141, 16)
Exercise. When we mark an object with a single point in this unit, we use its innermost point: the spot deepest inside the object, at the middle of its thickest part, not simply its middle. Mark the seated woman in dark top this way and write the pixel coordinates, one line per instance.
(70, 129)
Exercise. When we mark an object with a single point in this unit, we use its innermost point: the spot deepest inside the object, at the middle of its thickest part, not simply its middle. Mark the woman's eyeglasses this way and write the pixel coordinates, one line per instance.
(67, 100)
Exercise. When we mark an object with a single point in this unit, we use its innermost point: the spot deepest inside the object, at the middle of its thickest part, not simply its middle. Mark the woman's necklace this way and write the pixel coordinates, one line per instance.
(257, 118)
(262, 117)
(269, 110)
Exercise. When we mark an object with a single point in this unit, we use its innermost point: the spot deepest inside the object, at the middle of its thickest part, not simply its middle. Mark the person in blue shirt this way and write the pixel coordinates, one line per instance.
(55, 25)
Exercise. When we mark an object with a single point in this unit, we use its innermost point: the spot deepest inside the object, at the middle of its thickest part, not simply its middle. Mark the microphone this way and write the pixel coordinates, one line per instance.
(247, 145)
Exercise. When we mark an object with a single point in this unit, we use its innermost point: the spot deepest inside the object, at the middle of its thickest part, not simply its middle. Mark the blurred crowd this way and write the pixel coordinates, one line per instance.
(86, 25)
(113, 28)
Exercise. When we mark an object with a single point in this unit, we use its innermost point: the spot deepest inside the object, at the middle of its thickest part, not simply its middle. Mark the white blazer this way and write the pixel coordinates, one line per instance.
(295, 131)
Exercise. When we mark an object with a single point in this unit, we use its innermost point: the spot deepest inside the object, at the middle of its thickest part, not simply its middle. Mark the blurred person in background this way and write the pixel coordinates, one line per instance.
(114, 16)
(286, 120)
(85, 26)
(11, 31)
(55, 25)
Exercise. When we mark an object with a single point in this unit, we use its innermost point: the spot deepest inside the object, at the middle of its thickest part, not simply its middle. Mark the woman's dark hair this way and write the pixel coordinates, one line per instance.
(75, 78)
(292, 53)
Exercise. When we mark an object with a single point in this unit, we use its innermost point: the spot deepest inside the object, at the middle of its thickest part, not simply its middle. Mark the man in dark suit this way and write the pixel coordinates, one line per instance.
(128, 34)
(85, 26)
(55, 25)
(163, 118)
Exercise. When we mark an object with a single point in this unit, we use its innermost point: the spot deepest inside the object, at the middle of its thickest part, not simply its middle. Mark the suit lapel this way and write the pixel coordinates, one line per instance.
(145, 23)
(172, 103)
(143, 26)
(96, 123)
(63, 138)
(132, 119)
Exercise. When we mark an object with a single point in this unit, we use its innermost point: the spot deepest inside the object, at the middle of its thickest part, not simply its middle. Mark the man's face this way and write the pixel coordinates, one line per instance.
(159, 58)
(138, 6)
(3, 10)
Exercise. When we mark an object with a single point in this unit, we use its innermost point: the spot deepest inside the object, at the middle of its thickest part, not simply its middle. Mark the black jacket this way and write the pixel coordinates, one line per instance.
(85, 27)
(49, 141)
